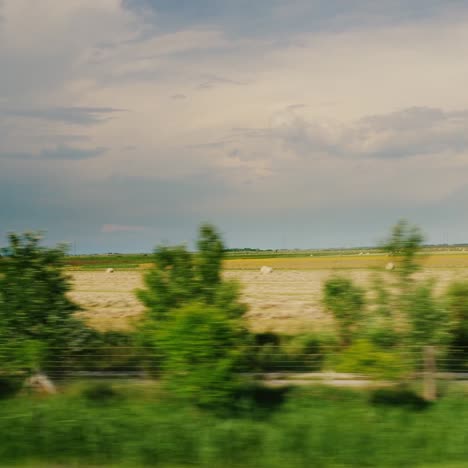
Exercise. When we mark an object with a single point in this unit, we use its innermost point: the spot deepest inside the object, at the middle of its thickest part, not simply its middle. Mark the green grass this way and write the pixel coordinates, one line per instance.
(133, 260)
(313, 428)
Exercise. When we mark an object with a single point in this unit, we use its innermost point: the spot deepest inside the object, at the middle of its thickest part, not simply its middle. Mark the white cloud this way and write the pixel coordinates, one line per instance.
(282, 122)
(416, 131)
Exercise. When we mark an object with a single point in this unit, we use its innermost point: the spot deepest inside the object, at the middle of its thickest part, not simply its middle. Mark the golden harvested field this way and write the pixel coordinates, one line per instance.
(287, 300)
(365, 261)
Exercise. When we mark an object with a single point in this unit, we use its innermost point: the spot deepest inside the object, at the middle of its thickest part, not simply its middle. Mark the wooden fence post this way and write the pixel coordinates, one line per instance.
(429, 374)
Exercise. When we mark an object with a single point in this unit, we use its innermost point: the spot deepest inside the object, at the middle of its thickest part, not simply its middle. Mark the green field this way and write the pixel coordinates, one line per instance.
(288, 260)
(307, 428)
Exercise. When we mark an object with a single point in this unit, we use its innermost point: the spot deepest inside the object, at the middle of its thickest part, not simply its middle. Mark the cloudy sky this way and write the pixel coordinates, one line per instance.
(287, 123)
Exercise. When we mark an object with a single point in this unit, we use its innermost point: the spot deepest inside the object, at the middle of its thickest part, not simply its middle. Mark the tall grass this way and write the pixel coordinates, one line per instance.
(315, 427)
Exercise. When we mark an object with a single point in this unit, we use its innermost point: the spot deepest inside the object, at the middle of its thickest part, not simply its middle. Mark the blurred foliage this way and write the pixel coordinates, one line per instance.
(9, 385)
(109, 351)
(346, 302)
(179, 277)
(401, 396)
(192, 326)
(457, 306)
(204, 351)
(37, 323)
(404, 244)
(366, 358)
(305, 352)
(100, 393)
(429, 321)
(321, 427)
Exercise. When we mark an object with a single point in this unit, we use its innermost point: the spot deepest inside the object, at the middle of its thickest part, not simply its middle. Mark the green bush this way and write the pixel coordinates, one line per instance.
(305, 352)
(457, 306)
(107, 351)
(382, 334)
(192, 329)
(404, 244)
(295, 353)
(9, 386)
(270, 358)
(37, 324)
(346, 302)
(100, 393)
(364, 357)
(398, 397)
(180, 277)
(203, 352)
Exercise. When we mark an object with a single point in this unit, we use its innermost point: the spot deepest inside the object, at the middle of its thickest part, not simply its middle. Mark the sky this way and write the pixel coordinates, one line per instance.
(286, 123)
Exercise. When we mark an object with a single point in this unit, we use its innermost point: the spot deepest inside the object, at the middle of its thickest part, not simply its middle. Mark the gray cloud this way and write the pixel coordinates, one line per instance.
(257, 183)
(60, 152)
(278, 18)
(70, 115)
(402, 134)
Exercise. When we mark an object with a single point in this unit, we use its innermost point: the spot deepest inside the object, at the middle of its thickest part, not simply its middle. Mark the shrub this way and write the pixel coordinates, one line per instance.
(270, 358)
(192, 324)
(364, 357)
(400, 396)
(37, 323)
(179, 278)
(203, 352)
(9, 386)
(305, 352)
(107, 351)
(346, 302)
(100, 393)
(428, 320)
(404, 243)
(457, 306)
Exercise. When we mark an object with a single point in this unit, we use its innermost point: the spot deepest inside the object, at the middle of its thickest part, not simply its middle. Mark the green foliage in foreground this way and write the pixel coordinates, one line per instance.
(37, 323)
(366, 358)
(179, 277)
(405, 243)
(320, 428)
(203, 351)
(192, 324)
(346, 302)
(457, 305)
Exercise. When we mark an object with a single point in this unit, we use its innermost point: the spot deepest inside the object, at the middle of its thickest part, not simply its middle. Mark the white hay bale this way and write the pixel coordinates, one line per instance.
(266, 270)
(41, 384)
(390, 266)
(110, 270)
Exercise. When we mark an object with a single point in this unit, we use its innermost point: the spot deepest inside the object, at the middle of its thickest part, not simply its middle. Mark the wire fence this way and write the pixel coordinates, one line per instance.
(258, 361)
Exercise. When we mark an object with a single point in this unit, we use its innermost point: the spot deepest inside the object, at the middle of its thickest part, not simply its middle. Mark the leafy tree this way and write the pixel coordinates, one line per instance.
(180, 277)
(170, 283)
(428, 320)
(406, 316)
(346, 302)
(192, 326)
(209, 261)
(381, 326)
(404, 243)
(37, 323)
